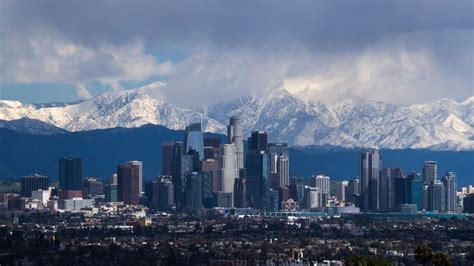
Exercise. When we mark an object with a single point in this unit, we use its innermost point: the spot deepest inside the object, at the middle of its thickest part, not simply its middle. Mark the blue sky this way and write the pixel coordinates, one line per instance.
(403, 52)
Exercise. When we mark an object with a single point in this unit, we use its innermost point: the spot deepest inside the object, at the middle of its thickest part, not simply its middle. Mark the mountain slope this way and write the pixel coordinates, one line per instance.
(31, 126)
(351, 122)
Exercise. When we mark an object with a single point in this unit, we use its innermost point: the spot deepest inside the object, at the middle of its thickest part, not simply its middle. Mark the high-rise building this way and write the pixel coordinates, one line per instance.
(430, 172)
(92, 187)
(211, 147)
(339, 189)
(468, 203)
(227, 167)
(240, 193)
(258, 141)
(323, 183)
(235, 136)
(193, 192)
(70, 174)
(279, 163)
(273, 203)
(194, 139)
(140, 174)
(163, 193)
(353, 191)
(128, 183)
(210, 166)
(436, 196)
(387, 187)
(370, 164)
(312, 197)
(415, 190)
(256, 167)
(449, 182)
(183, 168)
(400, 187)
(296, 190)
(167, 153)
(111, 193)
(32, 183)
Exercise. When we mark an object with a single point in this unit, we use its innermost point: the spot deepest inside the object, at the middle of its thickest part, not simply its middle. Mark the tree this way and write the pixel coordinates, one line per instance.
(442, 259)
(423, 254)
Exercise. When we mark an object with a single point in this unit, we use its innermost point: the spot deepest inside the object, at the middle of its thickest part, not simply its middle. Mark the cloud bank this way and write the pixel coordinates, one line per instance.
(401, 52)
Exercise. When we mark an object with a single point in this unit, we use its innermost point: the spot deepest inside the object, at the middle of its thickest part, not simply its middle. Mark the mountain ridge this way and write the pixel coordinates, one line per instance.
(351, 122)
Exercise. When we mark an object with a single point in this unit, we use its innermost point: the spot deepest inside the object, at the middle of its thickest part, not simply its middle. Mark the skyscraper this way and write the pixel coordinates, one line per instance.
(323, 183)
(163, 193)
(279, 163)
(227, 167)
(436, 196)
(449, 182)
(430, 172)
(194, 139)
(235, 136)
(353, 191)
(370, 164)
(387, 187)
(210, 166)
(193, 192)
(258, 141)
(415, 190)
(167, 153)
(128, 183)
(140, 174)
(32, 183)
(184, 166)
(70, 178)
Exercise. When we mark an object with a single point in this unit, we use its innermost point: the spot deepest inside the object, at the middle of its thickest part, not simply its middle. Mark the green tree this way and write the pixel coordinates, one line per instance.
(423, 254)
(442, 259)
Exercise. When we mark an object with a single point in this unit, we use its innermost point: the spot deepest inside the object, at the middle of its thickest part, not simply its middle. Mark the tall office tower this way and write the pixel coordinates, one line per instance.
(184, 166)
(279, 162)
(436, 194)
(256, 167)
(163, 193)
(312, 197)
(194, 191)
(227, 167)
(296, 190)
(258, 141)
(235, 136)
(387, 187)
(211, 147)
(139, 164)
(207, 195)
(128, 183)
(273, 202)
(113, 179)
(430, 172)
(449, 181)
(323, 183)
(240, 193)
(353, 191)
(468, 203)
(92, 187)
(194, 139)
(32, 183)
(414, 190)
(210, 166)
(167, 153)
(111, 193)
(283, 195)
(370, 164)
(400, 186)
(70, 174)
(339, 189)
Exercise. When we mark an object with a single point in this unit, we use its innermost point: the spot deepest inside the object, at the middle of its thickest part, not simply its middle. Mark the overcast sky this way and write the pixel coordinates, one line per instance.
(403, 52)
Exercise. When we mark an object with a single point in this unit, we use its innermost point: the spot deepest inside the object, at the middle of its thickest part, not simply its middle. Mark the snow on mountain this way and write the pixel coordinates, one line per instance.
(351, 122)
(127, 108)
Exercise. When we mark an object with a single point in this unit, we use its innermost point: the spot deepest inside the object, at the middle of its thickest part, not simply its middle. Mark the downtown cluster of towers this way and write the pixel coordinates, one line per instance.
(387, 189)
(203, 172)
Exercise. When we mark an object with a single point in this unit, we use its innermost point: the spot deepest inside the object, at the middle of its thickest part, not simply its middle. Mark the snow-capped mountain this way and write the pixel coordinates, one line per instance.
(127, 108)
(352, 122)
(31, 127)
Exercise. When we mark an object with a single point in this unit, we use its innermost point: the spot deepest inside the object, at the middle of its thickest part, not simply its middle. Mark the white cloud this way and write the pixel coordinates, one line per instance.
(82, 92)
(45, 57)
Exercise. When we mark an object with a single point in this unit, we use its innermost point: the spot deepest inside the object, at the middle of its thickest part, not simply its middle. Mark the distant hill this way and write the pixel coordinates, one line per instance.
(102, 150)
